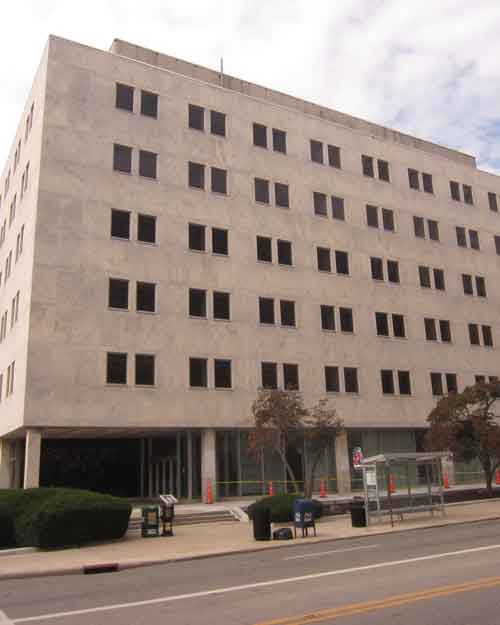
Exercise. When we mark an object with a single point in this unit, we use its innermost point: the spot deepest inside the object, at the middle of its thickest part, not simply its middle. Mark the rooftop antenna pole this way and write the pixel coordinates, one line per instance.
(221, 74)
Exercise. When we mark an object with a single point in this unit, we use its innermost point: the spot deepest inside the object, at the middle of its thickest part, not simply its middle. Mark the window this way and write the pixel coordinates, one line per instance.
(196, 115)
(474, 239)
(327, 317)
(393, 271)
(445, 329)
(468, 199)
(413, 179)
(493, 202)
(427, 182)
(220, 243)
(146, 228)
(218, 123)
(480, 286)
(487, 335)
(146, 297)
(451, 382)
(261, 190)
(351, 380)
(382, 324)
(367, 166)
(291, 377)
(124, 97)
(404, 382)
(144, 370)
(221, 305)
(372, 216)
(279, 141)
(149, 104)
(467, 284)
(284, 252)
(197, 303)
(338, 208)
(196, 174)
(398, 326)
(388, 219)
(430, 329)
(260, 135)
(266, 310)
(377, 268)
(455, 191)
(480, 379)
(269, 371)
(316, 151)
(324, 260)
(332, 381)
(437, 384)
(424, 276)
(198, 373)
(122, 158)
(419, 227)
(461, 238)
(118, 294)
(219, 180)
(147, 164)
(116, 369)
(383, 170)
(342, 262)
(346, 320)
(281, 195)
(319, 200)
(387, 380)
(196, 237)
(334, 156)
(433, 229)
(439, 283)
(497, 244)
(474, 334)
(222, 373)
(120, 224)
(287, 311)
(264, 249)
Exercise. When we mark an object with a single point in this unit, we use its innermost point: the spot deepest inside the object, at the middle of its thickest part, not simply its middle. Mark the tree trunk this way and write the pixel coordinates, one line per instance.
(311, 472)
(289, 470)
(488, 475)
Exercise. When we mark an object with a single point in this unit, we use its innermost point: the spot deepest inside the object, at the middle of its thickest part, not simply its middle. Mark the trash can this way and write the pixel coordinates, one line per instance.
(167, 518)
(261, 523)
(358, 513)
(303, 516)
(150, 525)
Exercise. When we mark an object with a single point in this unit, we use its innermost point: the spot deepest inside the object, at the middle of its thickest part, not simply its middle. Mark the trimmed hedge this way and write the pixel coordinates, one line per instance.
(60, 517)
(281, 507)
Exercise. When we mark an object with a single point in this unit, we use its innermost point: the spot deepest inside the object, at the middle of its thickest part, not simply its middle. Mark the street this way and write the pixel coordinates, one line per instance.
(446, 575)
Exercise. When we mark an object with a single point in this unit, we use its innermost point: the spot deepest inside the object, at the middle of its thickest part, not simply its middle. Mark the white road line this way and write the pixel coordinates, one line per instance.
(324, 553)
(4, 619)
(272, 582)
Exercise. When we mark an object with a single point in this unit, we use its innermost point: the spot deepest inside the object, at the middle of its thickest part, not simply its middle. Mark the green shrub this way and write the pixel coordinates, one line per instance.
(281, 507)
(6, 530)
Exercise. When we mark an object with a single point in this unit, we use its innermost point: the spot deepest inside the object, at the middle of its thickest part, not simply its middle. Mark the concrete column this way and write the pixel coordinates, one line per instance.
(448, 467)
(6, 463)
(32, 459)
(208, 463)
(342, 464)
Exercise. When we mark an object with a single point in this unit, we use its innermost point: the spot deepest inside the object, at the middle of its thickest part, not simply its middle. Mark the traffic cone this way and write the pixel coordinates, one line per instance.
(210, 497)
(271, 493)
(392, 486)
(446, 480)
(323, 491)
(497, 477)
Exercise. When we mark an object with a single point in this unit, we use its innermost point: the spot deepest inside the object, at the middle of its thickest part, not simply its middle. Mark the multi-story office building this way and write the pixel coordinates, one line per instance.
(173, 239)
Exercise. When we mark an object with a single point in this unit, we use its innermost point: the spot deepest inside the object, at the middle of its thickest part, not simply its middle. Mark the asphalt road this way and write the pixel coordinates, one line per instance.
(447, 576)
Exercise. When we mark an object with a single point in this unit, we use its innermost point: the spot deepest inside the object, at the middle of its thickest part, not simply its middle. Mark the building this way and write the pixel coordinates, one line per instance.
(173, 239)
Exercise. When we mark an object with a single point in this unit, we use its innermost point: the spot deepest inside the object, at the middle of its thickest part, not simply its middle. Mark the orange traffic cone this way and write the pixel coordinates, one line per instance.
(392, 486)
(323, 491)
(446, 480)
(271, 493)
(210, 497)
(497, 477)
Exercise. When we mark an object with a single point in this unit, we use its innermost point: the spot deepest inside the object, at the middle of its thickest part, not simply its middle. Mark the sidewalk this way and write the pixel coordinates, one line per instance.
(191, 542)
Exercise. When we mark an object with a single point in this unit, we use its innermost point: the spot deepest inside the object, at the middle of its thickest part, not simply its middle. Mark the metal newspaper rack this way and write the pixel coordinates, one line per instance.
(378, 475)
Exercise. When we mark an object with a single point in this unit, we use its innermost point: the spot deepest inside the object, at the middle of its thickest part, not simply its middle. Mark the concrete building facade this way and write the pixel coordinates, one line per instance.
(173, 239)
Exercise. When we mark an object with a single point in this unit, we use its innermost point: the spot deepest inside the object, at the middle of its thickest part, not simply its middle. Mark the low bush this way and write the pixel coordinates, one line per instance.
(61, 517)
(281, 507)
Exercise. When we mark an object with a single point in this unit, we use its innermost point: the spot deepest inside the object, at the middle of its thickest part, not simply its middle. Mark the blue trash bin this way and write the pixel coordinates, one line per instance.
(303, 516)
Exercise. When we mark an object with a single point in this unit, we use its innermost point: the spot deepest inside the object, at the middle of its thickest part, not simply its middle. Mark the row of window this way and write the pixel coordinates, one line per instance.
(8, 260)
(17, 156)
(14, 316)
(9, 386)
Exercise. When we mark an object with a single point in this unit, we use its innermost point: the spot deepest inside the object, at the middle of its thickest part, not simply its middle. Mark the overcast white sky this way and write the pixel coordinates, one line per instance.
(429, 68)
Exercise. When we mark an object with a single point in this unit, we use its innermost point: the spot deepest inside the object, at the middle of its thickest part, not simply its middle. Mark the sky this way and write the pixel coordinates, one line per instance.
(428, 68)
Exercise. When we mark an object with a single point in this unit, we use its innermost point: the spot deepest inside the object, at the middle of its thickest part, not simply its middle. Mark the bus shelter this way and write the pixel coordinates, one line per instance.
(419, 479)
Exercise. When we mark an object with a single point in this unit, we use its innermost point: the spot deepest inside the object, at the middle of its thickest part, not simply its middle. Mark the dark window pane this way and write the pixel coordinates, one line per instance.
(287, 311)
(497, 244)
(455, 191)
(316, 151)
(219, 180)
(220, 241)
(327, 317)
(487, 336)
(221, 303)
(264, 249)
(467, 284)
(147, 164)
(124, 97)
(413, 179)
(262, 190)
(474, 239)
(387, 379)
(480, 379)
(334, 156)
(266, 310)
(427, 182)
(196, 117)
(493, 202)
(260, 135)
(198, 372)
(351, 380)
(433, 230)
(468, 198)
(473, 334)
(480, 286)
(342, 262)
(319, 200)
(338, 208)
(120, 224)
(393, 271)
(445, 329)
(332, 382)
(146, 296)
(149, 104)
(144, 369)
(382, 324)
(122, 158)
(451, 382)
(367, 166)
(404, 382)
(196, 233)
(291, 377)
(418, 225)
(377, 268)
(383, 170)
(324, 261)
(461, 238)
(197, 303)
(346, 320)
(398, 326)
(430, 329)
(279, 141)
(424, 275)
(437, 383)
(146, 228)
(439, 282)
(388, 219)
(281, 195)
(284, 252)
(372, 216)
(116, 369)
(269, 375)
(217, 123)
(118, 294)
(196, 175)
